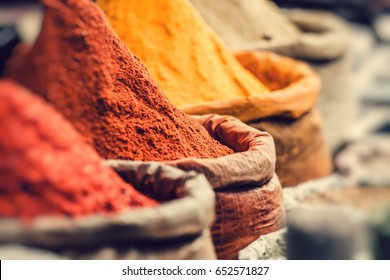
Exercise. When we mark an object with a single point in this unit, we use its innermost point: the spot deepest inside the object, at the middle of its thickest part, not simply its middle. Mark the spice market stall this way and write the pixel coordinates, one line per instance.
(107, 94)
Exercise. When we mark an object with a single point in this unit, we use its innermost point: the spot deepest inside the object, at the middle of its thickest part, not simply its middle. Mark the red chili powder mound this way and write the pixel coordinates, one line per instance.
(81, 66)
(47, 167)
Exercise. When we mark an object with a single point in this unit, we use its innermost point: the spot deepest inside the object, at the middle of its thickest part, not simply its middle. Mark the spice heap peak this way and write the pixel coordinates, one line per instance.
(79, 65)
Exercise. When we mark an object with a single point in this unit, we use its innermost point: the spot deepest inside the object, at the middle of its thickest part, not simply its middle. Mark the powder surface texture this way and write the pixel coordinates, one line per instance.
(182, 53)
(80, 66)
(249, 24)
(47, 167)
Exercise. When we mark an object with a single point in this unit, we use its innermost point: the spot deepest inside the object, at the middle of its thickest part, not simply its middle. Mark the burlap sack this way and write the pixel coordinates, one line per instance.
(301, 151)
(286, 113)
(252, 162)
(294, 87)
(300, 148)
(176, 229)
(324, 35)
(325, 44)
(249, 197)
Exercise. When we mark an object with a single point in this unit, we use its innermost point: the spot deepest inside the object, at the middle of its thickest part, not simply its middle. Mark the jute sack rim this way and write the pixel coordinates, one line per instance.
(325, 35)
(293, 100)
(185, 216)
(252, 163)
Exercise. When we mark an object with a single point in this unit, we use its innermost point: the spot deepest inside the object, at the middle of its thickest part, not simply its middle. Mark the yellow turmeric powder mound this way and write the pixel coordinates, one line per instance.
(182, 54)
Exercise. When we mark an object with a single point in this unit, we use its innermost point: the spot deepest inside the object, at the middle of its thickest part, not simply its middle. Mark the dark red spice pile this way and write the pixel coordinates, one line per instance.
(80, 66)
(47, 167)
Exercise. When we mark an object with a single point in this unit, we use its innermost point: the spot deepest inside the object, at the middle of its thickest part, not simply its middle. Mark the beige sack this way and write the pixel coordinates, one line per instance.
(325, 43)
(249, 24)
